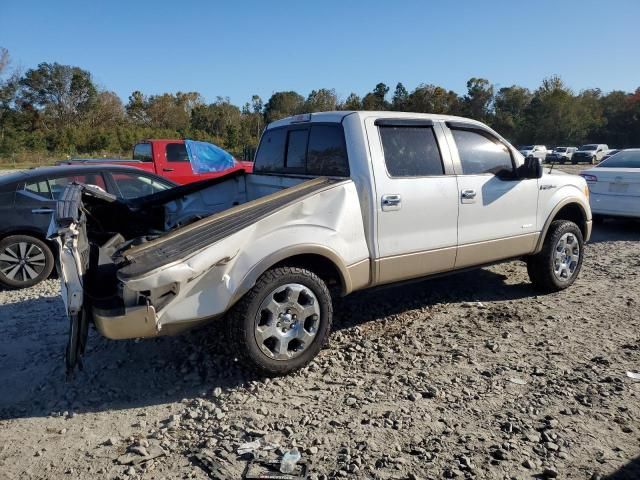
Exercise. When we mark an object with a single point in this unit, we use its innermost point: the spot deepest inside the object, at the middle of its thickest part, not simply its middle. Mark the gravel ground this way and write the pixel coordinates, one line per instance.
(468, 376)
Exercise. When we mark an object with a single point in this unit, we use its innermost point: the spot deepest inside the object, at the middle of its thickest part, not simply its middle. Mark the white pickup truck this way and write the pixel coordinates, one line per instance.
(337, 202)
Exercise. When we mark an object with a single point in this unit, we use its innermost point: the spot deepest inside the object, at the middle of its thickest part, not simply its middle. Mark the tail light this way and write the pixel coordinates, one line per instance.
(589, 178)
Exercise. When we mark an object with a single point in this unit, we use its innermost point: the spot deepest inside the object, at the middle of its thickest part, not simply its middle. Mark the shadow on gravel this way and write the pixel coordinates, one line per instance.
(470, 286)
(616, 230)
(630, 471)
(136, 374)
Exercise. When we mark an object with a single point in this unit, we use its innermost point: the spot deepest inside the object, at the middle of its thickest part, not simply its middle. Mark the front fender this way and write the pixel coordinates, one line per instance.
(552, 205)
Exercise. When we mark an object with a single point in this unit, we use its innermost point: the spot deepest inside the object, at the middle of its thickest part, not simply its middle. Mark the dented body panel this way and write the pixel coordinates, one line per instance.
(212, 279)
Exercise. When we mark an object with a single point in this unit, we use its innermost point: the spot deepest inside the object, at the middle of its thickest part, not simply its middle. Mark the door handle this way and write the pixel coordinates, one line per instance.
(468, 194)
(391, 202)
(167, 169)
(42, 210)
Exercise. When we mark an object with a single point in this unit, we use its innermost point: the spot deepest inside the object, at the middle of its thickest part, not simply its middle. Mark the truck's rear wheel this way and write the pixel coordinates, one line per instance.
(557, 265)
(281, 324)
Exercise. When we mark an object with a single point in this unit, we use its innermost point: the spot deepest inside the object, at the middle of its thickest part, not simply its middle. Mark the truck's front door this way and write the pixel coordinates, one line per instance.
(416, 198)
(172, 162)
(498, 211)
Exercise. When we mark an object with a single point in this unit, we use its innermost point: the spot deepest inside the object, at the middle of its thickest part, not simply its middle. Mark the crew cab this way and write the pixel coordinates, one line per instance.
(337, 202)
(172, 159)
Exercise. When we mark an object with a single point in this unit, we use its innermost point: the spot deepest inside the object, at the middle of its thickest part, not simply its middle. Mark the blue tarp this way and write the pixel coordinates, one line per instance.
(207, 157)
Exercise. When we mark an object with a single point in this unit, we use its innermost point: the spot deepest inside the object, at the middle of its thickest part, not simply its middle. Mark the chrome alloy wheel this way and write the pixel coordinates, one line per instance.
(22, 261)
(287, 321)
(566, 257)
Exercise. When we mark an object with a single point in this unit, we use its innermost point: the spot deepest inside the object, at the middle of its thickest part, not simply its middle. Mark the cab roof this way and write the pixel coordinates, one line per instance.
(339, 116)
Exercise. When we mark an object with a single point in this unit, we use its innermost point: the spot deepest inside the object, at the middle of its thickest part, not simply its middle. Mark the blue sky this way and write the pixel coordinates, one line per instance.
(239, 48)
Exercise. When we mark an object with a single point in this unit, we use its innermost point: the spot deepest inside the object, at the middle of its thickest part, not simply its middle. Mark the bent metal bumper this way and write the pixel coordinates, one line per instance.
(133, 322)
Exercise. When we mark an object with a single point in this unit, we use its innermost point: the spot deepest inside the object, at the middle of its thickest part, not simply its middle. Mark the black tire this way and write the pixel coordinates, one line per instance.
(242, 320)
(540, 266)
(41, 265)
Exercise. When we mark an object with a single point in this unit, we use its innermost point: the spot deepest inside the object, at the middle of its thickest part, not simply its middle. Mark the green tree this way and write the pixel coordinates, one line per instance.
(478, 99)
(108, 111)
(283, 104)
(400, 99)
(218, 118)
(137, 108)
(322, 100)
(376, 100)
(433, 99)
(353, 102)
(509, 106)
(554, 116)
(63, 93)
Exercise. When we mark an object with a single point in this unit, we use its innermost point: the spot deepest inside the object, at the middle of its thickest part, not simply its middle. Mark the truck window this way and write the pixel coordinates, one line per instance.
(411, 151)
(311, 150)
(297, 150)
(326, 154)
(142, 152)
(270, 155)
(480, 154)
(176, 152)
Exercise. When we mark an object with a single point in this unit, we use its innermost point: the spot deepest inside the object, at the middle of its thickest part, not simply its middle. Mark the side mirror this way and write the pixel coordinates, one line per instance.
(532, 168)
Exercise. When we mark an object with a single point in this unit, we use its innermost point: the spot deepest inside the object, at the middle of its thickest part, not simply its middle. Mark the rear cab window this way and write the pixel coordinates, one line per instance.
(312, 149)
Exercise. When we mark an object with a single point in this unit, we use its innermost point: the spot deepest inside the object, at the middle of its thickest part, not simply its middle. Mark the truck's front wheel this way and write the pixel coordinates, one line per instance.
(281, 324)
(557, 265)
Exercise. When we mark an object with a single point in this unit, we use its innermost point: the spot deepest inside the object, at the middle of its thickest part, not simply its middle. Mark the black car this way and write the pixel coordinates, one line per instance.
(27, 200)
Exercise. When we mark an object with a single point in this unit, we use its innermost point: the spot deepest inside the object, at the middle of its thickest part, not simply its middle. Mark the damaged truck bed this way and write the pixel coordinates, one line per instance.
(160, 264)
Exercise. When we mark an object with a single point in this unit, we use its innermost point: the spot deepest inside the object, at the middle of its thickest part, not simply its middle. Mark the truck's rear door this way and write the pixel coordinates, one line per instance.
(416, 198)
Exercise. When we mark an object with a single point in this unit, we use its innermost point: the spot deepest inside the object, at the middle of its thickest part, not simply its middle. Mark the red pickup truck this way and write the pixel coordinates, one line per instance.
(167, 158)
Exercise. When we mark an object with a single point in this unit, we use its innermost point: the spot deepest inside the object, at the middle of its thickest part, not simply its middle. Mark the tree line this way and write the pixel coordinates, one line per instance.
(56, 109)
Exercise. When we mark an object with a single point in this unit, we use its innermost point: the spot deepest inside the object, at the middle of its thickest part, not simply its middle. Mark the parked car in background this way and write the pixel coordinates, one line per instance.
(560, 154)
(171, 159)
(615, 186)
(27, 200)
(591, 153)
(337, 202)
(536, 151)
(610, 153)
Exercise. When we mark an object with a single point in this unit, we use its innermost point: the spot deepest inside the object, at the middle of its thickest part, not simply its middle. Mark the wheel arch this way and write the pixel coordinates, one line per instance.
(321, 260)
(570, 209)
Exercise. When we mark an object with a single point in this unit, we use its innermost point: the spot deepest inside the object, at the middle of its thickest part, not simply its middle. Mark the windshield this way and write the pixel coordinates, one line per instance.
(623, 159)
(526, 147)
(561, 149)
(588, 147)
